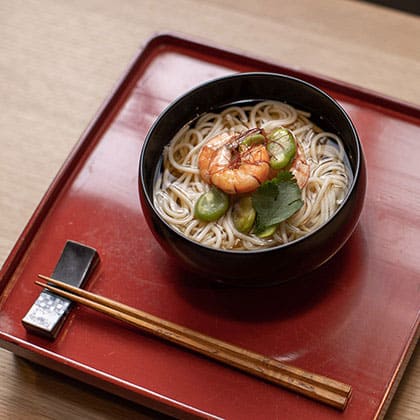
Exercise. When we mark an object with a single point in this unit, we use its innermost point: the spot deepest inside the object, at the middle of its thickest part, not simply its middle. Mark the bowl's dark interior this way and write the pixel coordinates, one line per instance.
(217, 94)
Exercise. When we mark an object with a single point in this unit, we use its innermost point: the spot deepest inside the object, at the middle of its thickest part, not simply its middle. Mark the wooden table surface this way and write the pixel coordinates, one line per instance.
(59, 61)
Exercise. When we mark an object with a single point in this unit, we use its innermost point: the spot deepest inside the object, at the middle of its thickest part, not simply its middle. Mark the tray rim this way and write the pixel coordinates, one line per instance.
(244, 58)
(102, 380)
(89, 137)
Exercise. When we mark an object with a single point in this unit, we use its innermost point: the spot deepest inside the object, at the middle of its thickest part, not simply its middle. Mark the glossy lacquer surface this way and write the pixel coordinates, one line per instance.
(354, 320)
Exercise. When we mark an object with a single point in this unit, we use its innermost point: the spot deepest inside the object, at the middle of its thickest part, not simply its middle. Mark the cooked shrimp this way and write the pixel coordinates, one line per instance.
(234, 171)
(300, 167)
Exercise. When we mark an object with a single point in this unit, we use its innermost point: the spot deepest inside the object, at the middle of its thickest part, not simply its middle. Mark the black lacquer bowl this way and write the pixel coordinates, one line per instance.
(272, 265)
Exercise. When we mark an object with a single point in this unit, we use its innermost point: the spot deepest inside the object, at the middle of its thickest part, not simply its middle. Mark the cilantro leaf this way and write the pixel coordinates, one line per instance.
(276, 200)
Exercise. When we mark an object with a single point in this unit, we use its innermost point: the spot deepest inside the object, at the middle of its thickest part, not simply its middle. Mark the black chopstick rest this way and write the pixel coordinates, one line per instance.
(47, 315)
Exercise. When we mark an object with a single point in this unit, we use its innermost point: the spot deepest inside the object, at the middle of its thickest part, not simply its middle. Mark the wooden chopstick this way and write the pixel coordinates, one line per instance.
(312, 385)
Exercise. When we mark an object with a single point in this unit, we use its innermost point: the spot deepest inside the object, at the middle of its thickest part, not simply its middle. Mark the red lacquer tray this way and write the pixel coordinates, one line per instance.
(355, 319)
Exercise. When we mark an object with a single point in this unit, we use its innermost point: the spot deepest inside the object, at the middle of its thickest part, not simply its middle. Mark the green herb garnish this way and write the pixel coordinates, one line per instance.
(276, 200)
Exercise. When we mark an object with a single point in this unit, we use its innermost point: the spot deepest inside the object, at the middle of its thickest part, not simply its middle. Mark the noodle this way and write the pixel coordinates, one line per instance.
(179, 185)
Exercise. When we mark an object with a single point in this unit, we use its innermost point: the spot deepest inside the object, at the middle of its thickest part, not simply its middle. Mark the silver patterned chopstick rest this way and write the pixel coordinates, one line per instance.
(48, 313)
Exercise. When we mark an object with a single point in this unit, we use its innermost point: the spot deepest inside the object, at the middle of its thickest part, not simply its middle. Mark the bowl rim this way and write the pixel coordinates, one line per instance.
(203, 85)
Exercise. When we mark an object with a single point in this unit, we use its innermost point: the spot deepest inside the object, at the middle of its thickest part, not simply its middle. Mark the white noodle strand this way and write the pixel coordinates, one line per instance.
(179, 186)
